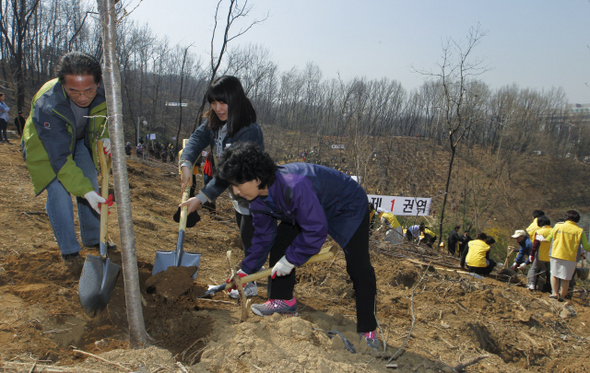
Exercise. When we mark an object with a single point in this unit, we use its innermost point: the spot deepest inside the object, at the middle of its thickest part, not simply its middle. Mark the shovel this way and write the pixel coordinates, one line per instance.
(319, 257)
(178, 257)
(99, 273)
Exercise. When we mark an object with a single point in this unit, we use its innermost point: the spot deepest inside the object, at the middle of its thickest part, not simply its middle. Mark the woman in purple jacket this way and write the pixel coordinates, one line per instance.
(310, 201)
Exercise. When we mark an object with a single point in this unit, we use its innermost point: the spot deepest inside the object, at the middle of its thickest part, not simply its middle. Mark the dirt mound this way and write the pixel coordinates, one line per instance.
(440, 316)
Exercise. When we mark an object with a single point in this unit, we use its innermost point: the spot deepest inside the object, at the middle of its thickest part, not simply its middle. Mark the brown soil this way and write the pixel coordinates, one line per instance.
(452, 317)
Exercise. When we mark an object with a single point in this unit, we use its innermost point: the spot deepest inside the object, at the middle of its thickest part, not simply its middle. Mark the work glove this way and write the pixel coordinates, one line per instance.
(522, 266)
(540, 238)
(94, 199)
(241, 274)
(106, 144)
(282, 268)
(532, 258)
(513, 267)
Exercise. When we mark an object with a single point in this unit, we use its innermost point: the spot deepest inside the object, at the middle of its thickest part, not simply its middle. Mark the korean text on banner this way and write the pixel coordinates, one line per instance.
(402, 206)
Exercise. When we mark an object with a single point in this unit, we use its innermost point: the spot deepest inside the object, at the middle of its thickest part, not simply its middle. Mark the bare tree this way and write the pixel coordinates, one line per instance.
(457, 69)
(112, 82)
(235, 13)
(13, 39)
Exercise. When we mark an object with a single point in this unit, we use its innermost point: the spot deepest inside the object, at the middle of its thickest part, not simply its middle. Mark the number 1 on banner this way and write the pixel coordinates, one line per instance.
(392, 204)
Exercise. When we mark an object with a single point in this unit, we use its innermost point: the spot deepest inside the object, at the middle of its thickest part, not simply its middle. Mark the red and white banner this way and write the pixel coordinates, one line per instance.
(402, 206)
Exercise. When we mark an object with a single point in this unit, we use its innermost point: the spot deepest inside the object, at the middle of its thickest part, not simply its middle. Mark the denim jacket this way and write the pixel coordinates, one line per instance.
(204, 137)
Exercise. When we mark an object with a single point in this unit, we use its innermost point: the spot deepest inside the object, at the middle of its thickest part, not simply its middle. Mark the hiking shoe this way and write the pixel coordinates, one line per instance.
(74, 263)
(272, 306)
(371, 338)
(250, 290)
(70, 257)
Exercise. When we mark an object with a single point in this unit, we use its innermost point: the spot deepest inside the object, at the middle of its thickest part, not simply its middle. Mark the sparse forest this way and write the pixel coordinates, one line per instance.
(487, 158)
(454, 111)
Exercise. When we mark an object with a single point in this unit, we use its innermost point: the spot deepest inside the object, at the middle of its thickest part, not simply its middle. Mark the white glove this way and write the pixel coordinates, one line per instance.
(522, 266)
(540, 238)
(282, 268)
(106, 144)
(95, 200)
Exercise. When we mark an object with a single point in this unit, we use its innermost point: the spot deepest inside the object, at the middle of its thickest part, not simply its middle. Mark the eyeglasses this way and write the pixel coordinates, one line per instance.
(87, 93)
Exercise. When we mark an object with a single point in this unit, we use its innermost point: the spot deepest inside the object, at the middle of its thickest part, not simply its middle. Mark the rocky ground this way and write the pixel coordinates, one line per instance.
(432, 317)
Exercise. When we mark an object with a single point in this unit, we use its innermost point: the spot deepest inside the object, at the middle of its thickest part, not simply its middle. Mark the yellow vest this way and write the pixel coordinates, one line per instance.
(545, 245)
(392, 219)
(476, 257)
(565, 240)
(532, 228)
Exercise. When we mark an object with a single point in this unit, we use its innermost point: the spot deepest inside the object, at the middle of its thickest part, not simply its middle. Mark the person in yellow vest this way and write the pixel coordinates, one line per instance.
(540, 253)
(477, 259)
(532, 228)
(565, 240)
(388, 220)
(392, 227)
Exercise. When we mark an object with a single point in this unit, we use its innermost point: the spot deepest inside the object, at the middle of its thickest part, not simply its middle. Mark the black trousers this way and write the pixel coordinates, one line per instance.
(246, 230)
(358, 266)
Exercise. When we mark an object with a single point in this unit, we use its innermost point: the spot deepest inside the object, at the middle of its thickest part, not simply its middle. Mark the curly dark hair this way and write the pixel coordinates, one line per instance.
(572, 215)
(240, 112)
(78, 63)
(246, 161)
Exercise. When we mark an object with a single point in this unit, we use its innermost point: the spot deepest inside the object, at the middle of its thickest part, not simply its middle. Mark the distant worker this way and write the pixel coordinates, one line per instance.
(4, 109)
(531, 229)
(477, 259)
(565, 241)
(540, 254)
(387, 219)
(428, 237)
(454, 240)
(522, 259)
(413, 232)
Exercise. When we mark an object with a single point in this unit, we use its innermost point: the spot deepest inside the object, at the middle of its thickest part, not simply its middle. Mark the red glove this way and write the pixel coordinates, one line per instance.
(109, 202)
(241, 274)
(532, 258)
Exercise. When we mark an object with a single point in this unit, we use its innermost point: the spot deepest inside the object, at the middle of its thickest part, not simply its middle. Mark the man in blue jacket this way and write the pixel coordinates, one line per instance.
(310, 201)
(59, 146)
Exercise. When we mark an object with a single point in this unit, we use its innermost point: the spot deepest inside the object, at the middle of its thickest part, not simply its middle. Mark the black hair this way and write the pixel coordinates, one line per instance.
(78, 63)
(240, 112)
(538, 213)
(490, 240)
(246, 161)
(457, 227)
(572, 215)
(543, 221)
(482, 236)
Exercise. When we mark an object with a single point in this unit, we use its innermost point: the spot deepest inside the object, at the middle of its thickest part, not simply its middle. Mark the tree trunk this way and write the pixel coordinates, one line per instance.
(112, 82)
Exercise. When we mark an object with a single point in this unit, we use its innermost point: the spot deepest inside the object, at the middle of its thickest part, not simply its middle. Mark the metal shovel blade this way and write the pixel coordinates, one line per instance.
(97, 283)
(176, 258)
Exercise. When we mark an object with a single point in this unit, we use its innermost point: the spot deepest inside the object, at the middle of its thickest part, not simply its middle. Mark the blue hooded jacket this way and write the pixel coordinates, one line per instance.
(318, 199)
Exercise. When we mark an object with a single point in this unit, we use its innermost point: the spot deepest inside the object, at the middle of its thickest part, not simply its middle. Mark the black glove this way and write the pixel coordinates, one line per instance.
(191, 220)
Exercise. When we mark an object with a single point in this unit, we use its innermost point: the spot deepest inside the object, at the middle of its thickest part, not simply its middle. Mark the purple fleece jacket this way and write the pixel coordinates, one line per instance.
(318, 199)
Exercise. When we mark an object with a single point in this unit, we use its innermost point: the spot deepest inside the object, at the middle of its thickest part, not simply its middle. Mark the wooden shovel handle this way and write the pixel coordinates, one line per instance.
(105, 166)
(320, 257)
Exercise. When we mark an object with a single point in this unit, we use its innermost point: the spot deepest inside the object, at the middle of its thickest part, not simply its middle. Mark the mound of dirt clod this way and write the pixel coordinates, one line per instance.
(432, 316)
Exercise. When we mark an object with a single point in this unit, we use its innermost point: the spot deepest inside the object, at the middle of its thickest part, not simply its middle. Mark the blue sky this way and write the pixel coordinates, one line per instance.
(536, 44)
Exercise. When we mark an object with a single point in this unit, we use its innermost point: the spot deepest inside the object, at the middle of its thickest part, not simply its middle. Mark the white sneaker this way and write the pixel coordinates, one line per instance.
(250, 290)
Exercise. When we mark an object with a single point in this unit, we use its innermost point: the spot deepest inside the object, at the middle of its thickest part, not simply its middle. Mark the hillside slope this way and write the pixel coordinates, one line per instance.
(452, 317)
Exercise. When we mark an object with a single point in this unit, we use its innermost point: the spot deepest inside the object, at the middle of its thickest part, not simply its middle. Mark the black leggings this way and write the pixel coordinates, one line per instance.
(3, 126)
(358, 266)
(246, 231)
